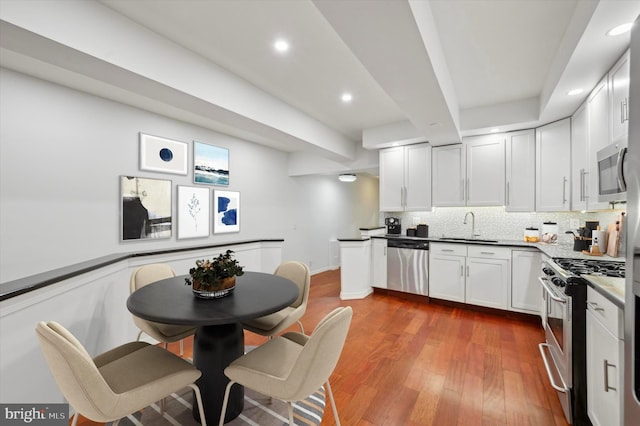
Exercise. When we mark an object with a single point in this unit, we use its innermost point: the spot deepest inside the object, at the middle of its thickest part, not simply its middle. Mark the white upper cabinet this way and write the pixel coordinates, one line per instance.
(599, 137)
(405, 178)
(485, 170)
(619, 82)
(470, 174)
(579, 159)
(449, 170)
(520, 171)
(553, 159)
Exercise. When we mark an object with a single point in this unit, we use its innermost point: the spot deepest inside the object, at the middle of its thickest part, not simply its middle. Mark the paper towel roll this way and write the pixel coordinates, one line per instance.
(600, 238)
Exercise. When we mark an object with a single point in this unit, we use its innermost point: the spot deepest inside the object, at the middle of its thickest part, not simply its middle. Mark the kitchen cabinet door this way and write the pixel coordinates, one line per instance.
(405, 178)
(604, 374)
(391, 179)
(487, 282)
(379, 263)
(447, 277)
(485, 170)
(619, 80)
(553, 158)
(525, 288)
(599, 137)
(417, 177)
(579, 159)
(448, 174)
(520, 171)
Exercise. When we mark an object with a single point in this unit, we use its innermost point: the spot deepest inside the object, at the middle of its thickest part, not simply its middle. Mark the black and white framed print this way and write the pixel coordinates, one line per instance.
(163, 155)
(146, 208)
(193, 211)
(226, 205)
(210, 164)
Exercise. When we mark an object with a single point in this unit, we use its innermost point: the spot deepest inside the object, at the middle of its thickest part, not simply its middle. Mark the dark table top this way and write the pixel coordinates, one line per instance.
(170, 301)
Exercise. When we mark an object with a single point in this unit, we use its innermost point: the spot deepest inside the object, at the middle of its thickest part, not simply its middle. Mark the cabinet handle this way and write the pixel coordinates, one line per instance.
(607, 388)
(446, 250)
(594, 306)
(462, 190)
(487, 252)
(564, 189)
(508, 193)
(461, 271)
(468, 190)
(626, 109)
(581, 184)
(467, 270)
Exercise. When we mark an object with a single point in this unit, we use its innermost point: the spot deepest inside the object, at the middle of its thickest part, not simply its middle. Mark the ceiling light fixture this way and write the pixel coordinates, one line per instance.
(574, 92)
(281, 45)
(620, 29)
(346, 97)
(347, 177)
(495, 130)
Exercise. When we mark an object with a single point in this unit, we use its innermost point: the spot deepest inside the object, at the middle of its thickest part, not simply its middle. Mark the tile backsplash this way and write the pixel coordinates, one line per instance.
(496, 223)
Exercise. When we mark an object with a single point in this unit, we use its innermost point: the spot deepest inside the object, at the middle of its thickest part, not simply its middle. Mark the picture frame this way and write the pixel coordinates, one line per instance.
(210, 164)
(163, 155)
(193, 211)
(226, 211)
(145, 208)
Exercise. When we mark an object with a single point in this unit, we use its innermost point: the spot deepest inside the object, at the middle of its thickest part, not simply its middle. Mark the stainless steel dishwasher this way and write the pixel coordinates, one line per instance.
(408, 266)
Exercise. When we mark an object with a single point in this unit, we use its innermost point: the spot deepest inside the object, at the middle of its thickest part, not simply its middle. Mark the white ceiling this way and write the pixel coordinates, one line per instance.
(442, 68)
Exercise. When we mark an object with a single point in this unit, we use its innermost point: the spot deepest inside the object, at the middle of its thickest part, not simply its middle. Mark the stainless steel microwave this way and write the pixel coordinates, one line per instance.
(611, 183)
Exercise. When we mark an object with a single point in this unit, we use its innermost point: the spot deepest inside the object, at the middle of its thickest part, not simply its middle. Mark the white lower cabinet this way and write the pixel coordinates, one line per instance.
(525, 289)
(474, 274)
(447, 269)
(604, 360)
(379, 263)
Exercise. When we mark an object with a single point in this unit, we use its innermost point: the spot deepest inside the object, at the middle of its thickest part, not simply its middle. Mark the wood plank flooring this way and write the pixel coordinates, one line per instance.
(414, 363)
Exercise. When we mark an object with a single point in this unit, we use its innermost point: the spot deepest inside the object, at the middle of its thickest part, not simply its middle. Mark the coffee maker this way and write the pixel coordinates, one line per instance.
(393, 225)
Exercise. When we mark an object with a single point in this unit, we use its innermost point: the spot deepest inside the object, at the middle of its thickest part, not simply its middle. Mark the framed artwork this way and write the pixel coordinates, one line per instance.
(193, 212)
(226, 217)
(210, 164)
(163, 155)
(146, 208)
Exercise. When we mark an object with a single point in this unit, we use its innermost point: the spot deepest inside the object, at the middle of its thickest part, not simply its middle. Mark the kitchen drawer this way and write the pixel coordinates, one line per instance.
(490, 252)
(448, 249)
(606, 312)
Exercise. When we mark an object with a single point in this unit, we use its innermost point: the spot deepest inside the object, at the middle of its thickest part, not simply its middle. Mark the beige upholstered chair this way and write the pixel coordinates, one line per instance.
(165, 333)
(116, 383)
(293, 366)
(272, 324)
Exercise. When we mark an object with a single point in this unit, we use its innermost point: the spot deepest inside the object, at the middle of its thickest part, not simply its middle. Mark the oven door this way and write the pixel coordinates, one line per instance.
(556, 350)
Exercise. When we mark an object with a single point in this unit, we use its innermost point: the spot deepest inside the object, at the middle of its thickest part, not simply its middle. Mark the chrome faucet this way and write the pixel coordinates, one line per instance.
(473, 223)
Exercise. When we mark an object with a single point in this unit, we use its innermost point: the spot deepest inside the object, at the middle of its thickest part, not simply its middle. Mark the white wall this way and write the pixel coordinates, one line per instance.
(61, 155)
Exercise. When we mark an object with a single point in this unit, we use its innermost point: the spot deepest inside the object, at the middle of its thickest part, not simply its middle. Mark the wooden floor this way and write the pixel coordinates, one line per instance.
(416, 363)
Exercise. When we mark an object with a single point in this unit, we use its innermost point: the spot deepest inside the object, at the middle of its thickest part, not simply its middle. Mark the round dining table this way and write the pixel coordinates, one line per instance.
(219, 337)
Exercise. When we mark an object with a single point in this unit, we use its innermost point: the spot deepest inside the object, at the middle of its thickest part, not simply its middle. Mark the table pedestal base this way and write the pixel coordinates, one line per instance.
(214, 348)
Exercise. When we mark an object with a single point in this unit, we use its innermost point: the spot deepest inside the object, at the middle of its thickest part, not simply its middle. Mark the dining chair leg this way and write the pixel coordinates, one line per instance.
(196, 391)
(301, 327)
(116, 423)
(139, 336)
(290, 406)
(333, 404)
(223, 412)
(181, 348)
(75, 419)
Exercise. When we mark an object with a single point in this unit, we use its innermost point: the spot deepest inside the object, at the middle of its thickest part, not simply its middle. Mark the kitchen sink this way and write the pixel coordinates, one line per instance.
(470, 240)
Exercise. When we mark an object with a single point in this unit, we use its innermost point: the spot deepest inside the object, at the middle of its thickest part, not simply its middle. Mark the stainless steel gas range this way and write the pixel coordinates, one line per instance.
(564, 322)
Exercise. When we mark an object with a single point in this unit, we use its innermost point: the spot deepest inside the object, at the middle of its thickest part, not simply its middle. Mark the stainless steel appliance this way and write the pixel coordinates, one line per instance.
(631, 404)
(408, 266)
(564, 322)
(611, 173)
(393, 225)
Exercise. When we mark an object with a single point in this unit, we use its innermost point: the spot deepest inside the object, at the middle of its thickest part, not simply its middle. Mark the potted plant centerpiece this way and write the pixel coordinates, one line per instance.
(214, 278)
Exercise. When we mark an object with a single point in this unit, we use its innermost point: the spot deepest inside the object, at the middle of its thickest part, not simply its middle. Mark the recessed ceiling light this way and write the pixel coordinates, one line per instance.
(620, 29)
(347, 177)
(281, 45)
(494, 130)
(574, 92)
(346, 97)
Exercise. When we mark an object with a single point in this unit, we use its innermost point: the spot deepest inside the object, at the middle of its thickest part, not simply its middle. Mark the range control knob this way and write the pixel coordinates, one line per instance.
(558, 282)
(548, 271)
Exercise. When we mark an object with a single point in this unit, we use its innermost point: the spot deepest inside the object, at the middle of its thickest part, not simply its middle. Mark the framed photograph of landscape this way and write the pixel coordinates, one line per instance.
(210, 164)
(163, 155)
(193, 211)
(145, 208)
(226, 216)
